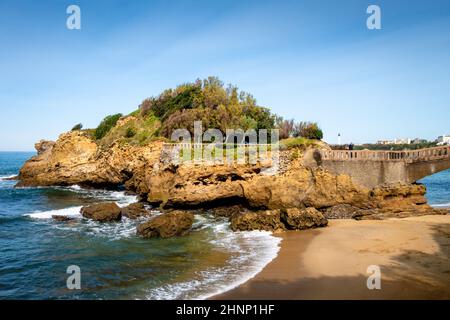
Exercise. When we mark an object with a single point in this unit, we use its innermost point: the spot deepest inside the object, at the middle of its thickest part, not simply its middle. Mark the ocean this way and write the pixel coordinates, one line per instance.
(114, 263)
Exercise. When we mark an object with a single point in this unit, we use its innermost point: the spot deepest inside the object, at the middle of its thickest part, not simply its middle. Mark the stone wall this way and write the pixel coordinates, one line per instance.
(371, 173)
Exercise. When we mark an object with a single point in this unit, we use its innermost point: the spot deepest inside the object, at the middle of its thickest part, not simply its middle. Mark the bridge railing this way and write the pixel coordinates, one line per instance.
(427, 154)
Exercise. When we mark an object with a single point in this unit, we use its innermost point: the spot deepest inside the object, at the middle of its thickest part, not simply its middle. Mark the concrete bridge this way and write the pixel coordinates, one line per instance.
(371, 168)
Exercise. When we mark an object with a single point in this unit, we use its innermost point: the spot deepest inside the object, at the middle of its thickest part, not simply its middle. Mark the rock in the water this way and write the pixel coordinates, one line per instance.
(135, 210)
(341, 211)
(299, 219)
(61, 218)
(103, 212)
(268, 220)
(175, 223)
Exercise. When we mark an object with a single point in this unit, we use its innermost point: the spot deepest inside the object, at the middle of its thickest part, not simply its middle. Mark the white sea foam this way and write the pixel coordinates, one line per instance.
(250, 252)
(441, 205)
(104, 195)
(75, 187)
(120, 197)
(262, 248)
(68, 212)
(2, 178)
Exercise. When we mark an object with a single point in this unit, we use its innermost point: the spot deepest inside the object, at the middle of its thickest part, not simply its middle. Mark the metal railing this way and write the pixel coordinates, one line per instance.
(428, 154)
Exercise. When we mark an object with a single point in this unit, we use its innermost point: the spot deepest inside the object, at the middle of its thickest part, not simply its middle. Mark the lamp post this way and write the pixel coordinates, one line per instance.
(339, 139)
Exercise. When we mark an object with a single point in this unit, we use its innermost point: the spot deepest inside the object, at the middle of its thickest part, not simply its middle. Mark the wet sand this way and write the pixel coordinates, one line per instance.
(331, 263)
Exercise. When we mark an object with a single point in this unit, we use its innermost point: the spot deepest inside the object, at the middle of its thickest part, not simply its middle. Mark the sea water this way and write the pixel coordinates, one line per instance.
(35, 251)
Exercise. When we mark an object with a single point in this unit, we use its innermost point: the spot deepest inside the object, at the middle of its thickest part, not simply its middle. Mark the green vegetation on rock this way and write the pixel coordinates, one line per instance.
(210, 101)
(298, 142)
(77, 127)
(106, 125)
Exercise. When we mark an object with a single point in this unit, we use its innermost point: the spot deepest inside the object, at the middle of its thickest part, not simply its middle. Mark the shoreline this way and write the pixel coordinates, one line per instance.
(295, 245)
(331, 263)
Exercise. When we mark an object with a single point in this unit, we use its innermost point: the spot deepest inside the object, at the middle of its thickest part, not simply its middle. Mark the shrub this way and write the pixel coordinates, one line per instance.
(310, 130)
(77, 127)
(298, 142)
(130, 133)
(286, 128)
(210, 101)
(106, 125)
(183, 97)
(263, 117)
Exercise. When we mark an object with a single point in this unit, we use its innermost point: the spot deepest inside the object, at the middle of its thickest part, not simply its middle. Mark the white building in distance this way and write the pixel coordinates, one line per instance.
(445, 139)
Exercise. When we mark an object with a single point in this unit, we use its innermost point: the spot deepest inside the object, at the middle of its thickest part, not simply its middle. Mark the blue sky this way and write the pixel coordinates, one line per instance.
(307, 60)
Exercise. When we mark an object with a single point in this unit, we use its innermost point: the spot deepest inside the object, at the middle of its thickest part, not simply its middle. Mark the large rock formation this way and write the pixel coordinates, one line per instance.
(176, 223)
(103, 212)
(298, 187)
(75, 158)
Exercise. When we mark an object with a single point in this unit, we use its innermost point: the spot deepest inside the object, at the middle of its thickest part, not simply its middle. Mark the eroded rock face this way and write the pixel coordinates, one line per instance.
(268, 220)
(135, 210)
(76, 159)
(303, 187)
(175, 223)
(190, 185)
(278, 220)
(300, 219)
(103, 212)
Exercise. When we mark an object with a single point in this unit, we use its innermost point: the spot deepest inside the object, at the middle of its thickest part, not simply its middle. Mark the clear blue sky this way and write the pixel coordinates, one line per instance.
(308, 60)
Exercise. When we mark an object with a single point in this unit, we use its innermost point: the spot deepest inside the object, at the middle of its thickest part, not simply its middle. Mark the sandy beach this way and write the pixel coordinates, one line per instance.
(331, 263)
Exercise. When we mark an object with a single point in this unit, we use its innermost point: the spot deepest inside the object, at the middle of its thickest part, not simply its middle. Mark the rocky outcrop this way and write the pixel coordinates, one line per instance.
(75, 158)
(269, 220)
(299, 187)
(300, 219)
(397, 201)
(278, 220)
(387, 201)
(190, 185)
(135, 210)
(176, 223)
(103, 212)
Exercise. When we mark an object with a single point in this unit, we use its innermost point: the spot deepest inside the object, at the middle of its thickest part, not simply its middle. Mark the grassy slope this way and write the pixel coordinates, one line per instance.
(145, 129)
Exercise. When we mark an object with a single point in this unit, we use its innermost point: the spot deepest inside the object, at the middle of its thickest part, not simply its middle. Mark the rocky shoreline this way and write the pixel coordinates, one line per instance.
(301, 195)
